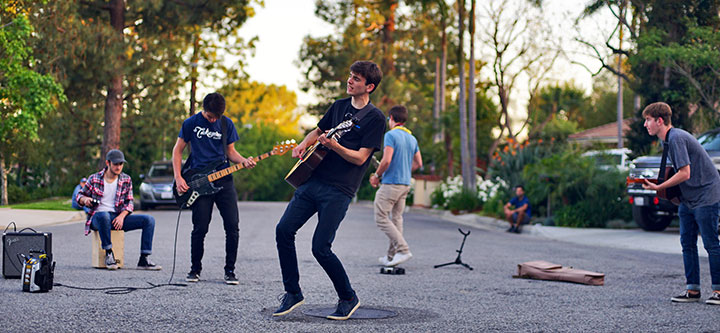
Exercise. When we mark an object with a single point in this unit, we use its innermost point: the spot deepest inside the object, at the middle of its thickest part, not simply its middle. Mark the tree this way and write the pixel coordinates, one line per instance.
(520, 46)
(557, 111)
(133, 22)
(25, 95)
(467, 173)
(652, 74)
(472, 102)
(74, 40)
(253, 103)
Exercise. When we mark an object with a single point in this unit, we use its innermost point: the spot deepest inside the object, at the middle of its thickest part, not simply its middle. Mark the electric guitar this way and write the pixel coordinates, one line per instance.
(312, 157)
(200, 181)
(671, 194)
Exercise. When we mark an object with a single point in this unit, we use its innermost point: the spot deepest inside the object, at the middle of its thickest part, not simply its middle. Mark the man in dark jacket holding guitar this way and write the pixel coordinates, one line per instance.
(331, 186)
(700, 200)
(205, 134)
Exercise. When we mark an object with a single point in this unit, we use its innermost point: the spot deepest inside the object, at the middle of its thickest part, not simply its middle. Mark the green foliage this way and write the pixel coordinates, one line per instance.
(668, 26)
(494, 206)
(465, 200)
(48, 204)
(267, 180)
(252, 103)
(509, 162)
(580, 194)
(74, 42)
(553, 107)
(17, 194)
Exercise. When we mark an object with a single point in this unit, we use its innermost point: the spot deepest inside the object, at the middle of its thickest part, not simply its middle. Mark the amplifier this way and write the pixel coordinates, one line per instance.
(16, 243)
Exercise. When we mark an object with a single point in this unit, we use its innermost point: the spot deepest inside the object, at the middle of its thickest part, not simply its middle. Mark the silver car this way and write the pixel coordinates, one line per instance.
(156, 188)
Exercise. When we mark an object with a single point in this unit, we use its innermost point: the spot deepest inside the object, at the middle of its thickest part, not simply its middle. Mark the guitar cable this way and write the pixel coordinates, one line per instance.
(125, 289)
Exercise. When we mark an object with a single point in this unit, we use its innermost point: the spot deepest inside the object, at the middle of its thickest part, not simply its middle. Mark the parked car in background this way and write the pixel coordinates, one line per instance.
(650, 212)
(611, 158)
(156, 188)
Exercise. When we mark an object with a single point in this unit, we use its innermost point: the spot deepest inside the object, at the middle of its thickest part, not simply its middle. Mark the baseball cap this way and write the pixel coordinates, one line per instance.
(83, 180)
(115, 156)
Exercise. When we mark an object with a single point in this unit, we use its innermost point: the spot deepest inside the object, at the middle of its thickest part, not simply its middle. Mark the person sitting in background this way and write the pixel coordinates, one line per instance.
(109, 195)
(520, 214)
(75, 204)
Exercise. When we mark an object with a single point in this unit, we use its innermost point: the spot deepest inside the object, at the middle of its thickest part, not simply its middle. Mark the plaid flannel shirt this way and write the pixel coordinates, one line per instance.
(95, 188)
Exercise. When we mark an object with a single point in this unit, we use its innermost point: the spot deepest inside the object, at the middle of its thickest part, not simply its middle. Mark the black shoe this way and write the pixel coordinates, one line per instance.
(517, 230)
(511, 229)
(687, 297)
(110, 262)
(288, 303)
(345, 309)
(714, 299)
(230, 278)
(146, 264)
(193, 277)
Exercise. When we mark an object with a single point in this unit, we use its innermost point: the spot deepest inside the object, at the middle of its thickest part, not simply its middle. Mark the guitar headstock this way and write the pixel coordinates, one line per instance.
(283, 147)
(341, 129)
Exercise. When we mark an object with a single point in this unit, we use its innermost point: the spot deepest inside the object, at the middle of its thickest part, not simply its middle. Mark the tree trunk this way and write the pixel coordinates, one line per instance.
(114, 99)
(3, 186)
(472, 104)
(437, 135)
(464, 158)
(620, 80)
(194, 72)
(450, 156)
(388, 64)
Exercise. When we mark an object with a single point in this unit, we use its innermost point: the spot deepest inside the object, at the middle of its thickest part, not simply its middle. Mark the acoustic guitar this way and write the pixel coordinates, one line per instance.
(201, 181)
(311, 158)
(671, 194)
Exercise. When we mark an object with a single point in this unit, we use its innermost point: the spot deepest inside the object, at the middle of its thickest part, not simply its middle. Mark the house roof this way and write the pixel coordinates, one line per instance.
(603, 133)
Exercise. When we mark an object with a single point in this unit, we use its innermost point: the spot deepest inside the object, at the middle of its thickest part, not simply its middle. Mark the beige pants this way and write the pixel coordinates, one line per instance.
(389, 207)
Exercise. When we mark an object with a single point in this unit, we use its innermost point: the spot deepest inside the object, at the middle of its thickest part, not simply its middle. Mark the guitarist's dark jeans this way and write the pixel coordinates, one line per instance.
(226, 201)
(331, 204)
(705, 221)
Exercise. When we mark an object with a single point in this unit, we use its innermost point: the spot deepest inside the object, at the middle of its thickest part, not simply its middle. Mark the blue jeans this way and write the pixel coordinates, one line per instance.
(705, 220)
(330, 204)
(102, 222)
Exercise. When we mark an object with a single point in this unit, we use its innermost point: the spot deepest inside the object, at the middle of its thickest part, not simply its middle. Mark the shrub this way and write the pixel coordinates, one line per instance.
(580, 194)
(451, 194)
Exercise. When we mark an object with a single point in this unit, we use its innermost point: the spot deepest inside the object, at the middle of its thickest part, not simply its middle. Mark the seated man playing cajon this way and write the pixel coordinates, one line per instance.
(108, 193)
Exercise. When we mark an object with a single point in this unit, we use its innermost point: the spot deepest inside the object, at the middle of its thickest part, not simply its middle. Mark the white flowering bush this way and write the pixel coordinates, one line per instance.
(451, 194)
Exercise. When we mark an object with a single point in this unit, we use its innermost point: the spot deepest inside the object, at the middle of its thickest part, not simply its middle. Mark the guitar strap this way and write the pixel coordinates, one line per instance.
(666, 147)
(365, 110)
(224, 128)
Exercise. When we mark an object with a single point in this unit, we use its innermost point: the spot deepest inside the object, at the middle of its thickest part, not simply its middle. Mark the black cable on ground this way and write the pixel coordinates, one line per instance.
(127, 290)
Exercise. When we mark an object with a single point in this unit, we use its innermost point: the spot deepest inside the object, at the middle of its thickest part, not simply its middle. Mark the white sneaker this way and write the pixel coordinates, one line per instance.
(384, 260)
(399, 258)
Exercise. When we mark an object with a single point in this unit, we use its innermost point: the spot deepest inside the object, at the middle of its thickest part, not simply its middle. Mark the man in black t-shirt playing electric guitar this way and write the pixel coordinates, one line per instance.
(331, 187)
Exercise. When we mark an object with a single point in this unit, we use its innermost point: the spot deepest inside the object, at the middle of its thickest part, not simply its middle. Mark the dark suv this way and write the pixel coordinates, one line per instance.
(650, 212)
(156, 188)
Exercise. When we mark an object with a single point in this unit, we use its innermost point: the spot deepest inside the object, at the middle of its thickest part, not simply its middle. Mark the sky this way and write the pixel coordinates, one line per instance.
(281, 26)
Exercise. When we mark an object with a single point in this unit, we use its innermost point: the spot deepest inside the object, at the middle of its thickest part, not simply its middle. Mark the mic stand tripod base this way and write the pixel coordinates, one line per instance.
(392, 270)
(458, 261)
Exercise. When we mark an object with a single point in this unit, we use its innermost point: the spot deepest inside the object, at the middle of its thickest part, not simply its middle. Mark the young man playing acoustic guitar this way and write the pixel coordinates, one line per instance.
(330, 188)
(700, 201)
(204, 133)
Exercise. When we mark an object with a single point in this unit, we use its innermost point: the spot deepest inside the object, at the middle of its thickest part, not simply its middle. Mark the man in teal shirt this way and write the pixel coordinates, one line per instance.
(401, 156)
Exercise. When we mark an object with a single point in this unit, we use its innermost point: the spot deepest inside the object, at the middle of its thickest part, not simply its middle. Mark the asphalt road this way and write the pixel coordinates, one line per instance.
(635, 297)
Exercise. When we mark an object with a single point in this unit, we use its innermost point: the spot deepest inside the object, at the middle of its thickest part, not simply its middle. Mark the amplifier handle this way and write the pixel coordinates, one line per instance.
(28, 228)
(8, 226)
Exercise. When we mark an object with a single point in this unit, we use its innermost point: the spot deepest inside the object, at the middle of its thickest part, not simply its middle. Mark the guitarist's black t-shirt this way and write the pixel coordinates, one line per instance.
(334, 169)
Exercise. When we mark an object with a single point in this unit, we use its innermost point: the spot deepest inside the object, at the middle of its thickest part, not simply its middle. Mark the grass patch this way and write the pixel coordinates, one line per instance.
(56, 203)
